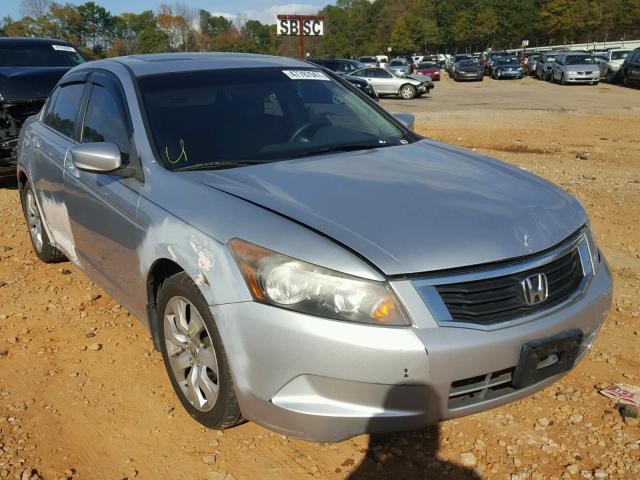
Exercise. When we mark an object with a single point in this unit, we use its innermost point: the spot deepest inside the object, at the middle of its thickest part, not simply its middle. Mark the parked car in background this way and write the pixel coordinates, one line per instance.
(400, 67)
(489, 59)
(531, 63)
(615, 58)
(362, 85)
(340, 66)
(326, 272)
(451, 63)
(506, 67)
(369, 61)
(386, 83)
(29, 69)
(571, 67)
(431, 69)
(545, 63)
(468, 70)
(630, 69)
(383, 61)
(602, 66)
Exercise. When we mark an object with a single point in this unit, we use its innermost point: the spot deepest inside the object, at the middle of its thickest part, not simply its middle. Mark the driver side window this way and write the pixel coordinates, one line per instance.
(105, 121)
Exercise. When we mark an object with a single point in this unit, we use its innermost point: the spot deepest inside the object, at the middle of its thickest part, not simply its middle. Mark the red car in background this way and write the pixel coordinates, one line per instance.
(431, 69)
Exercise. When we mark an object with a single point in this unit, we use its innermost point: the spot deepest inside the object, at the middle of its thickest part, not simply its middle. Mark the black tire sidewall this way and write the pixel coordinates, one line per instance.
(226, 409)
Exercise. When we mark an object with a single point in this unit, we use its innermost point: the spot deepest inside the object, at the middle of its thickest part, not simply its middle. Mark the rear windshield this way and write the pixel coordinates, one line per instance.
(368, 59)
(550, 58)
(397, 63)
(579, 60)
(38, 55)
(206, 117)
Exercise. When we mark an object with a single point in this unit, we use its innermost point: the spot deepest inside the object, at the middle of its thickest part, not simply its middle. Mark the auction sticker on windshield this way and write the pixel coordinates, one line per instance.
(305, 75)
(64, 48)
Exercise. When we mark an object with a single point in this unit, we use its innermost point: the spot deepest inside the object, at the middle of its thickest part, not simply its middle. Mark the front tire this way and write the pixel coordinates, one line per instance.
(562, 81)
(193, 354)
(42, 246)
(408, 92)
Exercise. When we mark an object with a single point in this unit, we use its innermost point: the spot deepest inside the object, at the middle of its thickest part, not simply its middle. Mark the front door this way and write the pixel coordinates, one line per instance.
(103, 207)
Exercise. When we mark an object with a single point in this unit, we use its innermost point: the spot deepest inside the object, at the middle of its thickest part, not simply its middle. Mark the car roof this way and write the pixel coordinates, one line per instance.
(32, 41)
(154, 64)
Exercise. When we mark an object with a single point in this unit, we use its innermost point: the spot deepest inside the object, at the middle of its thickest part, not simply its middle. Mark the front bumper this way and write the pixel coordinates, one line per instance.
(510, 74)
(470, 75)
(573, 78)
(327, 380)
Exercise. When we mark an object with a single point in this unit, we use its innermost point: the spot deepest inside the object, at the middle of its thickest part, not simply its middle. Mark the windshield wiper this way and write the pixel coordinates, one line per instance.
(219, 165)
(341, 148)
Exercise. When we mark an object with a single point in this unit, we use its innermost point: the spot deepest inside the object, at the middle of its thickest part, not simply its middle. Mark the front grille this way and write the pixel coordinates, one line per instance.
(500, 299)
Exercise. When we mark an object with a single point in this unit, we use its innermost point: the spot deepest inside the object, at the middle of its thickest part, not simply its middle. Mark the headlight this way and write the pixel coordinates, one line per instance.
(572, 72)
(593, 250)
(520, 69)
(286, 282)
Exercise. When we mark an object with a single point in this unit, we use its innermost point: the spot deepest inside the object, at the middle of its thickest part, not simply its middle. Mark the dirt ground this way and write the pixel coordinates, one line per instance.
(83, 395)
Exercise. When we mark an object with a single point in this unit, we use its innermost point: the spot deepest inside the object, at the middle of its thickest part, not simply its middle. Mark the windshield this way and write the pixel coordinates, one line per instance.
(397, 63)
(368, 59)
(38, 55)
(620, 55)
(579, 60)
(507, 61)
(550, 58)
(204, 118)
(428, 66)
(469, 63)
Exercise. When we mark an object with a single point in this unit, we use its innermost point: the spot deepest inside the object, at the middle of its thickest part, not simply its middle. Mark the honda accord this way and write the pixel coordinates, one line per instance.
(301, 258)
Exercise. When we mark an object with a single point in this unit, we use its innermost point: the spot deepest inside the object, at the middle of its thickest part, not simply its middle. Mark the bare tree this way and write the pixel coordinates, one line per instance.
(34, 8)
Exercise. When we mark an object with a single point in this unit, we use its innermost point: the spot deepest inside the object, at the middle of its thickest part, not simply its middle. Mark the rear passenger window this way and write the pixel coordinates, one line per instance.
(105, 120)
(63, 112)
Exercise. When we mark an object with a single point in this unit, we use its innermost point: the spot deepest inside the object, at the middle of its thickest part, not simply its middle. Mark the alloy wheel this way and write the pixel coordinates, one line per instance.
(191, 355)
(34, 221)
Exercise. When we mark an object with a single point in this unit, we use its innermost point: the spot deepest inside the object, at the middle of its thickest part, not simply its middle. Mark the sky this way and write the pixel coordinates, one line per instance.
(262, 10)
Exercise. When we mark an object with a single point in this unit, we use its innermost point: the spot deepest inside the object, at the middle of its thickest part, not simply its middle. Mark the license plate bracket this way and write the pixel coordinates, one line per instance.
(540, 359)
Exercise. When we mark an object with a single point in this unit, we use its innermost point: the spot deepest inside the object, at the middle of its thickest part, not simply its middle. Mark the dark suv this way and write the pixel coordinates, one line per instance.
(29, 69)
(630, 69)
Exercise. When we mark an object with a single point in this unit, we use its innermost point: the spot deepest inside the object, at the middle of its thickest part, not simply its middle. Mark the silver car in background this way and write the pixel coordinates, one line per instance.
(301, 258)
(399, 67)
(386, 82)
(545, 65)
(571, 67)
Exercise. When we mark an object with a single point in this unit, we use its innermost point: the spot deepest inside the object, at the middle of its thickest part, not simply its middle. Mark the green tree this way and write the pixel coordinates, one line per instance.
(153, 40)
(401, 39)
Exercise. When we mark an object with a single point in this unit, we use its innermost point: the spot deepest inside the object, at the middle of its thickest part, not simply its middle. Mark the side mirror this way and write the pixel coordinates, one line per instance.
(99, 157)
(407, 119)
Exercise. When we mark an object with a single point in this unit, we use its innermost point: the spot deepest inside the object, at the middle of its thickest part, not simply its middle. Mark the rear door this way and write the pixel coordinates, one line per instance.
(634, 66)
(103, 207)
(54, 135)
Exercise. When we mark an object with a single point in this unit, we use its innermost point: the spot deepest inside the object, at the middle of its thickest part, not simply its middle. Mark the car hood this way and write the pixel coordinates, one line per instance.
(25, 83)
(412, 208)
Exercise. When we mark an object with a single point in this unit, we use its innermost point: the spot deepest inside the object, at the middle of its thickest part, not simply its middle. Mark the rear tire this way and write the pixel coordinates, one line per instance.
(42, 246)
(193, 354)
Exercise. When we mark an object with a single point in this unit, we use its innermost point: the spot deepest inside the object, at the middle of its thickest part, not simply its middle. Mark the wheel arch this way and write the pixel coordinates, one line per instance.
(159, 271)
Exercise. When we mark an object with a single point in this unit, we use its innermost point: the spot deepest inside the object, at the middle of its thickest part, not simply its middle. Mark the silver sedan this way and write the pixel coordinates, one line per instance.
(387, 83)
(302, 258)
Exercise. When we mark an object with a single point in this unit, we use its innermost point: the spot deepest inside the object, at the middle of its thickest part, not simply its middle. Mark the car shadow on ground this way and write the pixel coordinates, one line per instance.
(408, 455)
(9, 182)
(405, 455)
